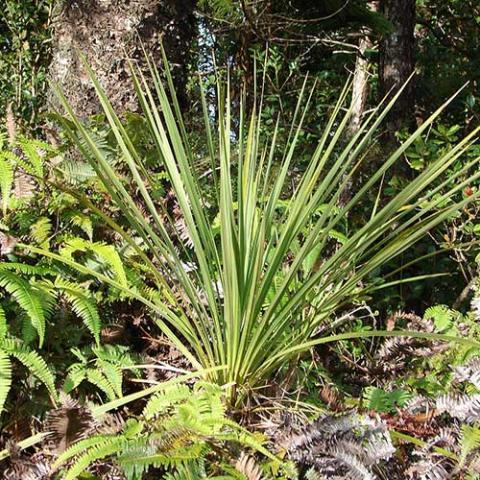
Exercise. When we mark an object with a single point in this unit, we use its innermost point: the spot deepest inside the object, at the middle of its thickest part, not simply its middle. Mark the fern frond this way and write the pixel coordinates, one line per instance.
(82, 305)
(112, 258)
(6, 182)
(32, 150)
(248, 467)
(84, 222)
(40, 232)
(220, 8)
(106, 448)
(76, 171)
(76, 374)
(312, 474)
(441, 315)
(106, 254)
(27, 269)
(34, 363)
(29, 298)
(470, 441)
(462, 406)
(160, 402)
(97, 378)
(384, 402)
(79, 447)
(113, 373)
(3, 324)
(69, 423)
(357, 469)
(174, 458)
(5, 378)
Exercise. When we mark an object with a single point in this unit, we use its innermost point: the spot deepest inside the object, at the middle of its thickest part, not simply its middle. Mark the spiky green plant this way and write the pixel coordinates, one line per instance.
(246, 299)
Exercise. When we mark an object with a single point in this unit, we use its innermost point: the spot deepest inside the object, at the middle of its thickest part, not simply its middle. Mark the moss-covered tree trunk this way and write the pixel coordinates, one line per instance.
(110, 31)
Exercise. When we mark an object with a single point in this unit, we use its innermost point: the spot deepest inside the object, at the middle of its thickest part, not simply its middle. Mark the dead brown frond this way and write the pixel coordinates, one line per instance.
(247, 465)
(69, 423)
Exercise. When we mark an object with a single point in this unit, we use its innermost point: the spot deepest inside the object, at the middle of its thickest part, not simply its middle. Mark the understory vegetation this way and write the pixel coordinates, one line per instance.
(244, 276)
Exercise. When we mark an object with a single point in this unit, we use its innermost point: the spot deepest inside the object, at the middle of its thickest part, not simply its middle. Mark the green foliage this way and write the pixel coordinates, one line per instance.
(179, 429)
(34, 300)
(246, 300)
(13, 348)
(385, 401)
(36, 295)
(469, 442)
(102, 366)
(25, 43)
(21, 161)
(441, 315)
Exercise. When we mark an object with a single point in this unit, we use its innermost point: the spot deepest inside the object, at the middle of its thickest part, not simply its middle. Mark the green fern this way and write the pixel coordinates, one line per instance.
(6, 181)
(103, 370)
(32, 360)
(470, 441)
(40, 232)
(161, 402)
(34, 152)
(75, 171)
(30, 298)
(180, 426)
(441, 315)
(223, 9)
(82, 304)
(82, 221)
(36, 296)
(105, 254)
(99, 451)
(99, 379)
(5, 378)
(35, 364)
(3, 323)
(385, 402)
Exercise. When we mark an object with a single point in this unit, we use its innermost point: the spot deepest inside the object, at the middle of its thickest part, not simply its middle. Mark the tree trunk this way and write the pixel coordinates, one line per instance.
(360, 86)
(396, 61)
(110, 31)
